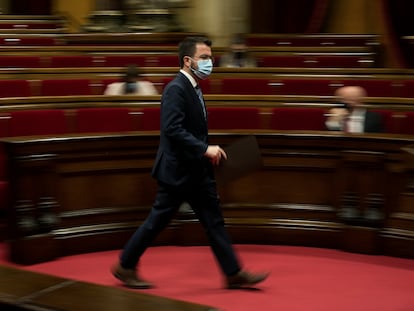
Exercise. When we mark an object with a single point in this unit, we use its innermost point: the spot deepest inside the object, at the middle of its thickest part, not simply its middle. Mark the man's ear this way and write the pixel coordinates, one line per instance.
(187, 61)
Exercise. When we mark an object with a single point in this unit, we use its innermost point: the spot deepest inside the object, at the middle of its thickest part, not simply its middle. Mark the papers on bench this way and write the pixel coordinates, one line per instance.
(243, 158)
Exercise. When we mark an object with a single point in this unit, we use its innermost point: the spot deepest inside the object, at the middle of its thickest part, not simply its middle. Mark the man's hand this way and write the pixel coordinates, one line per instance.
(215, 154)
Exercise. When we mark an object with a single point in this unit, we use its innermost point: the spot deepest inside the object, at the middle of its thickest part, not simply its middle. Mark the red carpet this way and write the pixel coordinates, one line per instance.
(302, 279)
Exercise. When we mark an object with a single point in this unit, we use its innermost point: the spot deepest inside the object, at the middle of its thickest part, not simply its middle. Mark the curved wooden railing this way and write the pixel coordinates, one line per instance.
(81, 193)
(293, 160)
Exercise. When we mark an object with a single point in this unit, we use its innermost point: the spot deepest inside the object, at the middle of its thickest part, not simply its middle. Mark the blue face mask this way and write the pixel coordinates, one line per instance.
(205, 67)
(130, 87)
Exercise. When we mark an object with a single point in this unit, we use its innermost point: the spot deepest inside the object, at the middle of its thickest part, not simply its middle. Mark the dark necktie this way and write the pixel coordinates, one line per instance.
(200, 96)
(347, 123)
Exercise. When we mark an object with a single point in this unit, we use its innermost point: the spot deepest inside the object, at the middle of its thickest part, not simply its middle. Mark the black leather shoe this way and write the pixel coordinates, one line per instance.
(129, 278)
(244, 279)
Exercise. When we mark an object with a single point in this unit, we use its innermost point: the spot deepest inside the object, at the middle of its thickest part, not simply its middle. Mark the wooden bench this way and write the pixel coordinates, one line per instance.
(171, 39)
(322, 39)
(26, 25)
(99, 71)
(316, 50)
(220, 84)
(157, 59)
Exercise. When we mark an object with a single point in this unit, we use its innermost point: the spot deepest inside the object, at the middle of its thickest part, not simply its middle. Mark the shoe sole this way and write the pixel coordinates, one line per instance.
(241, 286)
(135, 286)
(245, 285)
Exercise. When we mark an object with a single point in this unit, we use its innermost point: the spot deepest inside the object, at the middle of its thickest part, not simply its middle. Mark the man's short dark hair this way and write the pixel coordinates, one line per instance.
(187, 47)
(132, 72)
(238, 38)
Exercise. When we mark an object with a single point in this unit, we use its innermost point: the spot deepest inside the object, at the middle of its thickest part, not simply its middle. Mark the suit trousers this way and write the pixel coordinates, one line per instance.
(203, 198)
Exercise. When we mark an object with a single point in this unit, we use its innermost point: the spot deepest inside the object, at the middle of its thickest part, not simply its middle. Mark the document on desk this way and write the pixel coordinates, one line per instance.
(243, 158)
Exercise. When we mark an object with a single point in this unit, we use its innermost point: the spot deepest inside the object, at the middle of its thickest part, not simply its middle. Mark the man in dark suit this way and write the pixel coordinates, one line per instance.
(184, 171)
(351, 116)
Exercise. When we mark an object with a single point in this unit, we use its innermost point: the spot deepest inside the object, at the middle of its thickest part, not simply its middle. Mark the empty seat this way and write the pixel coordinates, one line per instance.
(66, 87)
(283, 61)
(29, 25)
(344, 61)
(124, 60)
(407, 123)
(20, 61)
(103, 120)
(38, 122)
(206, 86)
(310, 39)
(36, 41)
(317, 87)
(315, 61)
(162, 61)
(306, 119)
(375, 87)
(149, 119)
(15, 88)
(407, 88)
(4, 124)
(226, 118)
(73, 61)
(246, 86)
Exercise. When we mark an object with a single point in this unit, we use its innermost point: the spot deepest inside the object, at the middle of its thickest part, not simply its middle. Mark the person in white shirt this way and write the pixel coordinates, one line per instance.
(351, 115)
(132, 84)
(238, 55)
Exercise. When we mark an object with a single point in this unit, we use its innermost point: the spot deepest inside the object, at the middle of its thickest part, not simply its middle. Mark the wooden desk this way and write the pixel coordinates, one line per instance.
(218, 72)
(213, 100)
(99, 189)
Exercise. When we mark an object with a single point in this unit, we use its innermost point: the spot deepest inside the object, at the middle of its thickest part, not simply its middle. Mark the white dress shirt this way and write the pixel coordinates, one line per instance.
(355, 121)
(143, 88)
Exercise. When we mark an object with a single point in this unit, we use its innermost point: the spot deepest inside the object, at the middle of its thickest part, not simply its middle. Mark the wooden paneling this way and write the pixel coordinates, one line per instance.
(99, 189)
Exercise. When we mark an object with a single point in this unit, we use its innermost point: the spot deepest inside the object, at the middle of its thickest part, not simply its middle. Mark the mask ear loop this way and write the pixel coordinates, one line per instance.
(192, 60)
(192, 69)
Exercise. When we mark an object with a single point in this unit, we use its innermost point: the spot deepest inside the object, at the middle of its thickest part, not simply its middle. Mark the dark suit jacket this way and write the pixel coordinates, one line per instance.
(183, 135)
(373, 122)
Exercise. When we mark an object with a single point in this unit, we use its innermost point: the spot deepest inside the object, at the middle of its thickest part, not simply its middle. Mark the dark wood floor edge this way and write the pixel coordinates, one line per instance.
(37, 293)
(44, 291)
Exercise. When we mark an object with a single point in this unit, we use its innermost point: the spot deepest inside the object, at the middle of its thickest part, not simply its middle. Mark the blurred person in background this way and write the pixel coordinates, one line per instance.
(131, 84)
(238, 55)
(350, 115)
